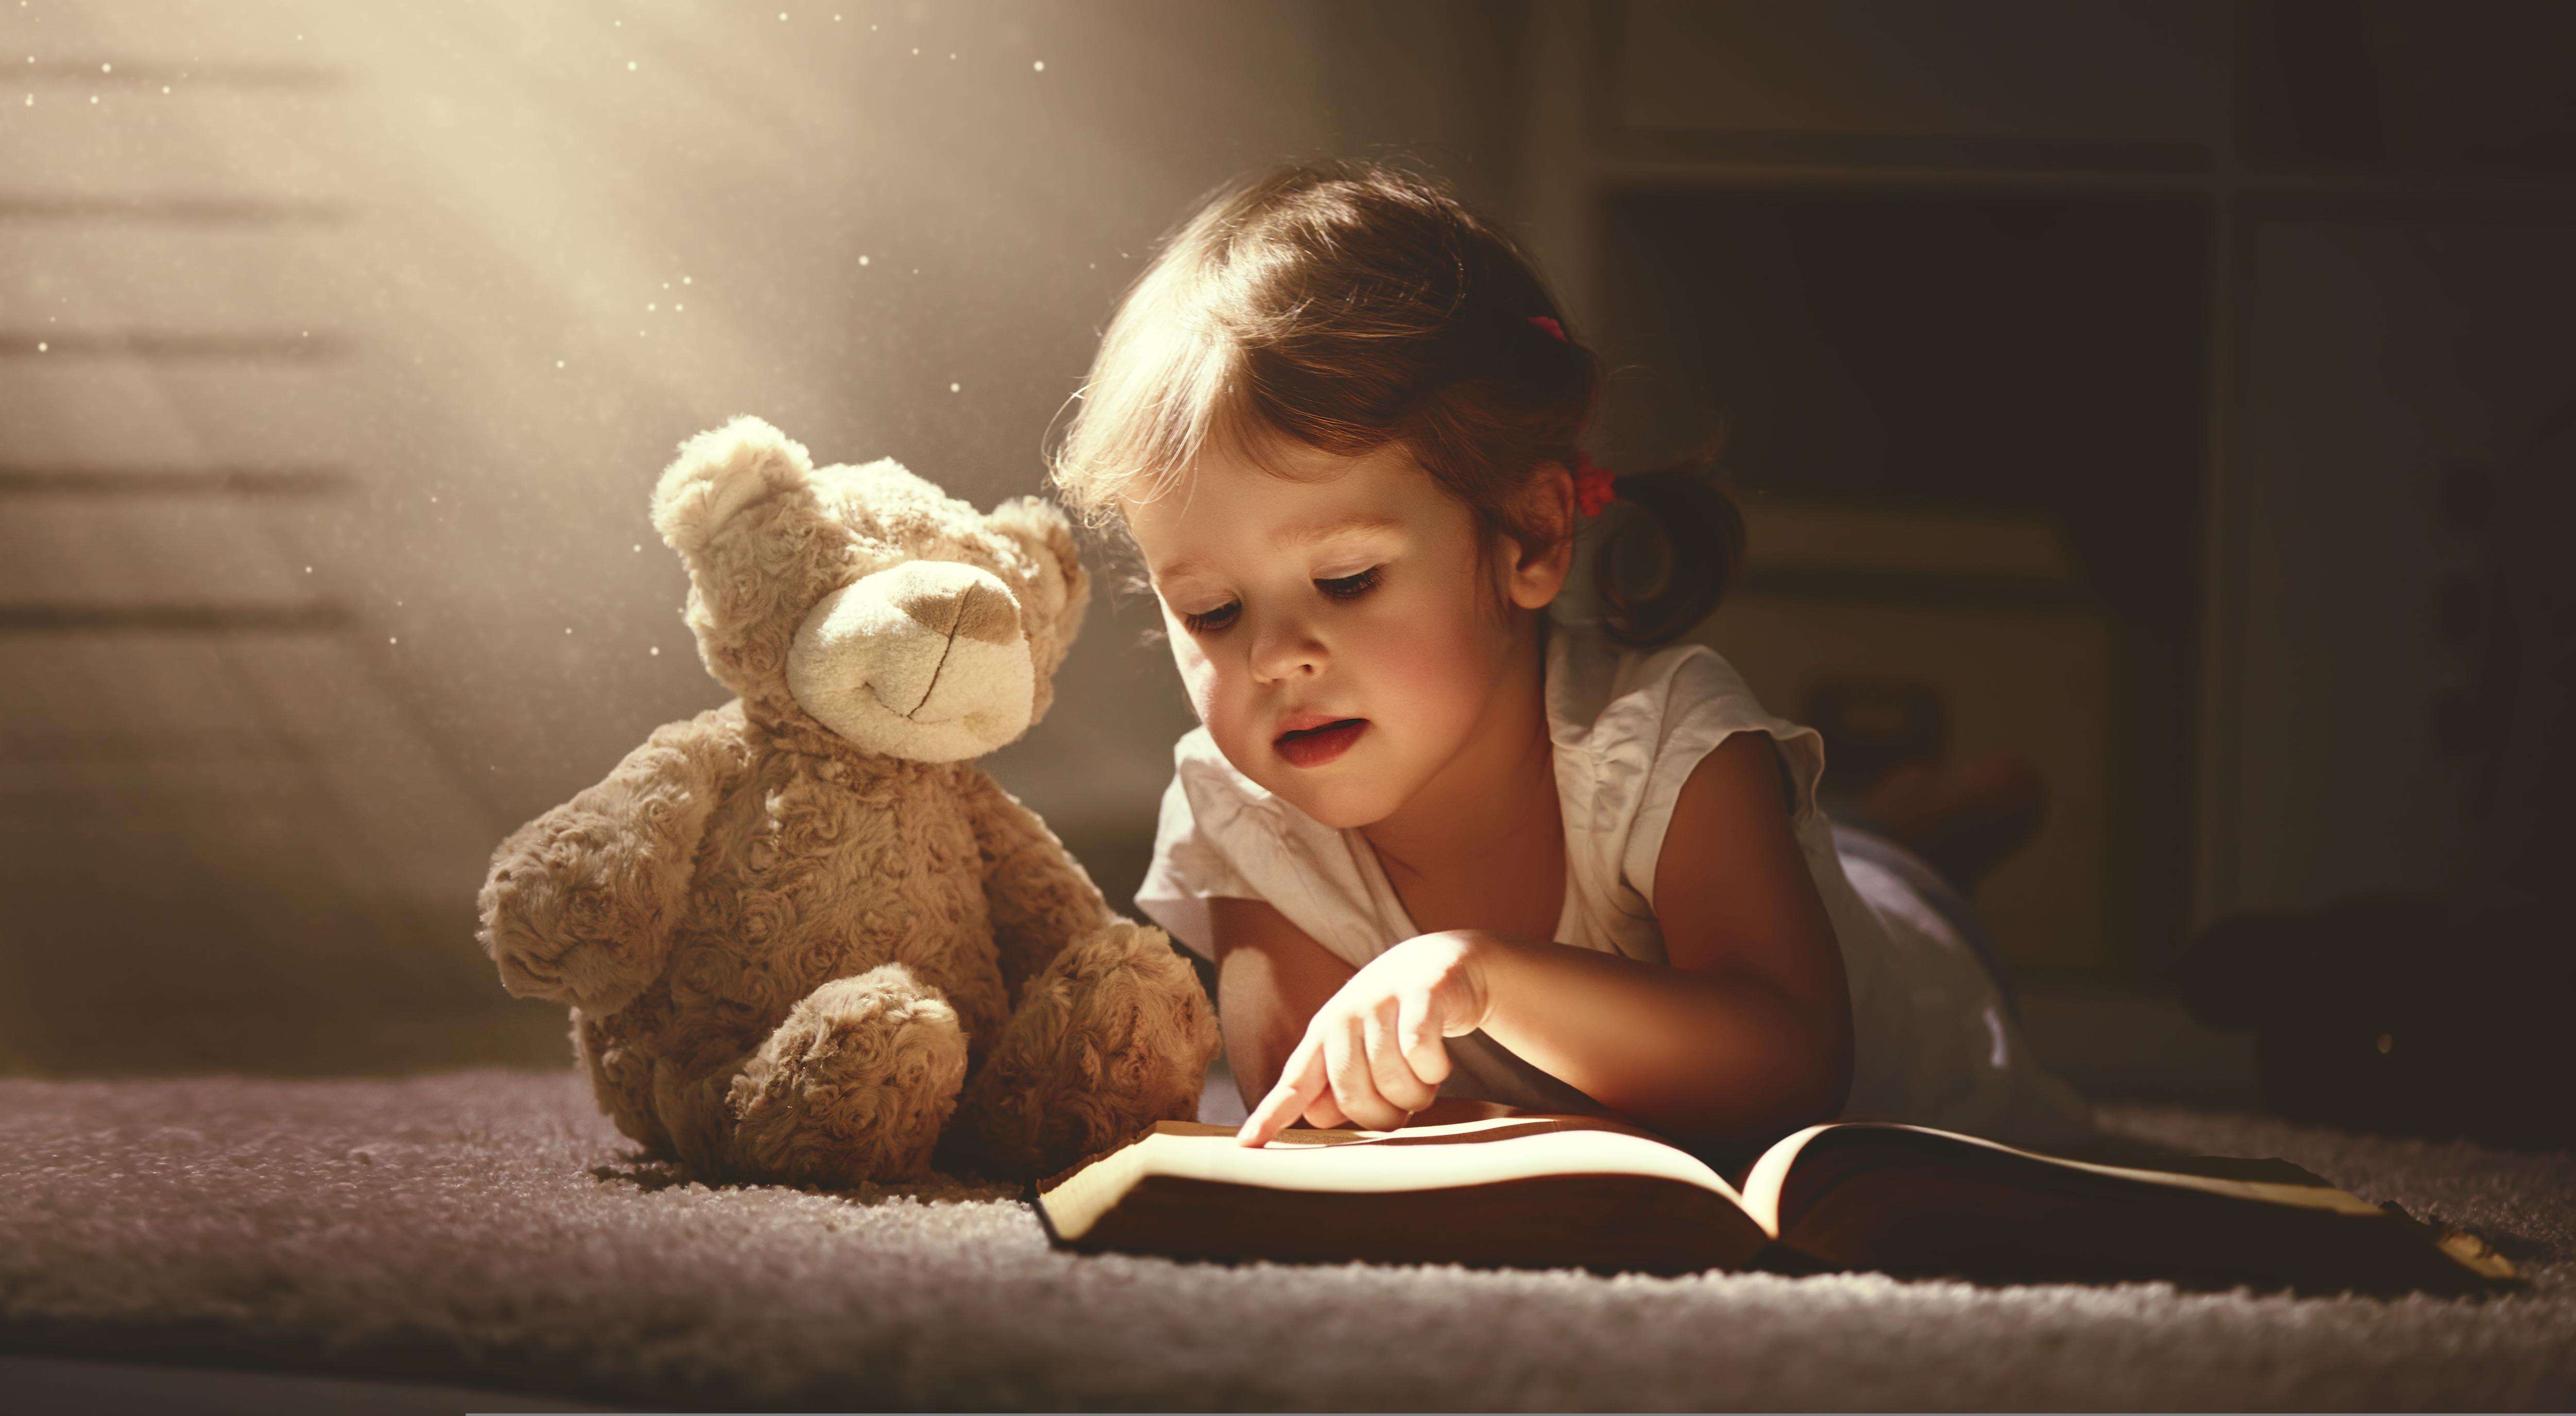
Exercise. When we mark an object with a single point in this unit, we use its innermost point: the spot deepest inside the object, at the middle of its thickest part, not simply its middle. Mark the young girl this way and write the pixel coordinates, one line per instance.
(1441, 843)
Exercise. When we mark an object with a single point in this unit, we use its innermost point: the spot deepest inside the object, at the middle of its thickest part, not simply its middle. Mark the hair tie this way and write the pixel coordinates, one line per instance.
(1594, 486)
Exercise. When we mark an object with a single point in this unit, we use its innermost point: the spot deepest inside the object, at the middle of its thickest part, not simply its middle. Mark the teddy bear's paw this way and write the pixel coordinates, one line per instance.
(569, 915)
(854, 1086)
(1114, 1035)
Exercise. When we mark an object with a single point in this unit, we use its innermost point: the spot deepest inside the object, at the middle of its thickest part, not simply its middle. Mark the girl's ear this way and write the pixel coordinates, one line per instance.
(1536, 571)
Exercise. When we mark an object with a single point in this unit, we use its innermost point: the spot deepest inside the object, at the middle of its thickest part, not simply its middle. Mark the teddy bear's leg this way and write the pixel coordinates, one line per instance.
(855, 1085)
(1111, 1036)
(621, 1079)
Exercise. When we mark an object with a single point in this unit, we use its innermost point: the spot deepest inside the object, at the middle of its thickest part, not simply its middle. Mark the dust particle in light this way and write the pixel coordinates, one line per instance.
(1039, 66)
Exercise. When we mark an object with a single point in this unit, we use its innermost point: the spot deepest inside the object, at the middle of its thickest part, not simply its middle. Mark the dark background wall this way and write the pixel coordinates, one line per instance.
(2101, 365)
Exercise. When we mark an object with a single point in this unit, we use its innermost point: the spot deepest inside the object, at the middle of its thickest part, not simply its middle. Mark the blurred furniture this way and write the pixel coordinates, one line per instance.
(1845, 612)
(2247, 300)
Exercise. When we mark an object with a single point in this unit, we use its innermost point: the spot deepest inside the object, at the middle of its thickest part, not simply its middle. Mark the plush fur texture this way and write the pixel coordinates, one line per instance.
(797, 956)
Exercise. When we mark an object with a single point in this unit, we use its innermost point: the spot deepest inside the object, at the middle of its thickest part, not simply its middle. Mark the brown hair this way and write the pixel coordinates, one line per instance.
(1347, 305)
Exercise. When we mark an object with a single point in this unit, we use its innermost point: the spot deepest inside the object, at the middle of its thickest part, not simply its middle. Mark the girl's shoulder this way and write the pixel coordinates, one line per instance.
(1631, 725)
(1616, 701)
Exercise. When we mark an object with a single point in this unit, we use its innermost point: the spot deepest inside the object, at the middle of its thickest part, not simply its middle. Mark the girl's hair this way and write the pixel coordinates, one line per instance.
(1348, 305)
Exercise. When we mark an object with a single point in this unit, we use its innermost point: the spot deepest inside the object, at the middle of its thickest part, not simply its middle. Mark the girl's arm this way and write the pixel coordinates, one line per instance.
(1745, 1034)
(1270, 979)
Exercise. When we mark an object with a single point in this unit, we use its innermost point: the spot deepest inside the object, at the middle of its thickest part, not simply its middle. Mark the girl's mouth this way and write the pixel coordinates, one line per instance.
(1313, 747)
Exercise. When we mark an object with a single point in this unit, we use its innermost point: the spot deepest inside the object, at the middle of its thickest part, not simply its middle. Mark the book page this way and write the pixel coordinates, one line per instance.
(1466, 1153)
(1769, 1177)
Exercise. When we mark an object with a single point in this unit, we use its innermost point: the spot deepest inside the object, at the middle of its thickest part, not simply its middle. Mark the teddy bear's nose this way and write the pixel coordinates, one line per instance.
(949, 623)
(971, 610)
(926, 660)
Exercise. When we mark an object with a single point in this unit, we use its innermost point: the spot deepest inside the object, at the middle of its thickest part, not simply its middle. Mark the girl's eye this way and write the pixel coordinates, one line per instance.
(1209, 621)
(1351, 587)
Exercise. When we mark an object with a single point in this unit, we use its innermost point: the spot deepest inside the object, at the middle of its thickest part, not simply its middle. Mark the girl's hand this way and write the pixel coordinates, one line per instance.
(1372, 1054)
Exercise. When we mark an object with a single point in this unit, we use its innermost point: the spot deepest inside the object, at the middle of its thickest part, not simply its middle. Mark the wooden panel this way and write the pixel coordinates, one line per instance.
(258, 753)
(128, 698)
(133, 551)
(1784, 534)
(180, 34)
(2403, 86)
(2105, 71)
(112, 411)
(2381, 356)
(91, 275)
(238, 142)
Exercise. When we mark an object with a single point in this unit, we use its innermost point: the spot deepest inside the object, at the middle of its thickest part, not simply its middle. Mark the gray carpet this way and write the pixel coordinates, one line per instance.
(486, 1229)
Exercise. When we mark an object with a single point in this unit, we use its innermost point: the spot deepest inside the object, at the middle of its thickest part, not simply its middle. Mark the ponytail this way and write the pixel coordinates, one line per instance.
(1669, 554)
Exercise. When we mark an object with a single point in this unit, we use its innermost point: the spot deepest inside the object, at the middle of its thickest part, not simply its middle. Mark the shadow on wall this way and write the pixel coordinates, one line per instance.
(340, 349)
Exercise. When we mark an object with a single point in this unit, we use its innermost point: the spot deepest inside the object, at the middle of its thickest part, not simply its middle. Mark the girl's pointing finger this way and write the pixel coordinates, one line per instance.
(1300, 1082)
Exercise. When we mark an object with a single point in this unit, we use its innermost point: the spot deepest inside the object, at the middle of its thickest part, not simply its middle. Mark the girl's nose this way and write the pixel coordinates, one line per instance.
(1285, 647)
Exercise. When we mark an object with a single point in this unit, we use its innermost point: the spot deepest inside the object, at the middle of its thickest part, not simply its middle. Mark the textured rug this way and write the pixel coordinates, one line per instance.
(487, 1228)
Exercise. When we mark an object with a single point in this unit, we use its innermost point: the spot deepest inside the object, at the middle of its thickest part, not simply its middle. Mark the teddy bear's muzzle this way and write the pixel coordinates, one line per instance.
(925, 661)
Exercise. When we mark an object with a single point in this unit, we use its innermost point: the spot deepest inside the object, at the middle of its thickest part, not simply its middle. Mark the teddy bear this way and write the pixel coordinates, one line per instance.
(804, 938)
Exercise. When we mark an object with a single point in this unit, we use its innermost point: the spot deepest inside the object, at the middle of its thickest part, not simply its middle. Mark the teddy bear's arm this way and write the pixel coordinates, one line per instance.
(1039, 895)
(580, 902)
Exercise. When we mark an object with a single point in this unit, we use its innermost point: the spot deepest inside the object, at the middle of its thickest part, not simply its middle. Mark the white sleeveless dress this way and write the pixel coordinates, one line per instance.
(1933, 1039)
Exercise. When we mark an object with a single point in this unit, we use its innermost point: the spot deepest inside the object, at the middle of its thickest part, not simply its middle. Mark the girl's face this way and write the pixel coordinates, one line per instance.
(1336, 630)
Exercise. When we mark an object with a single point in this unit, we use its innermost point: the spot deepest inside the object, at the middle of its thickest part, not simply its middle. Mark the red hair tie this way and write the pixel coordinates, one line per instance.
(1593, 484)
(1594, 487)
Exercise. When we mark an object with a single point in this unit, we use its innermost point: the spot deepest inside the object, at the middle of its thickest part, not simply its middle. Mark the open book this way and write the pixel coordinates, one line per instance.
(1590, 1192)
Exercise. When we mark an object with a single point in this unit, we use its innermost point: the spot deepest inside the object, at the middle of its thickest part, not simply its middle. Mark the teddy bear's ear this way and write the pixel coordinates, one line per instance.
(1041, 528)
(721, 473)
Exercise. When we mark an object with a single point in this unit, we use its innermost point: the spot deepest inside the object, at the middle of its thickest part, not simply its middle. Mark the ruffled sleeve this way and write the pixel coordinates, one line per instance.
(1690, 700)
(1201, 816)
